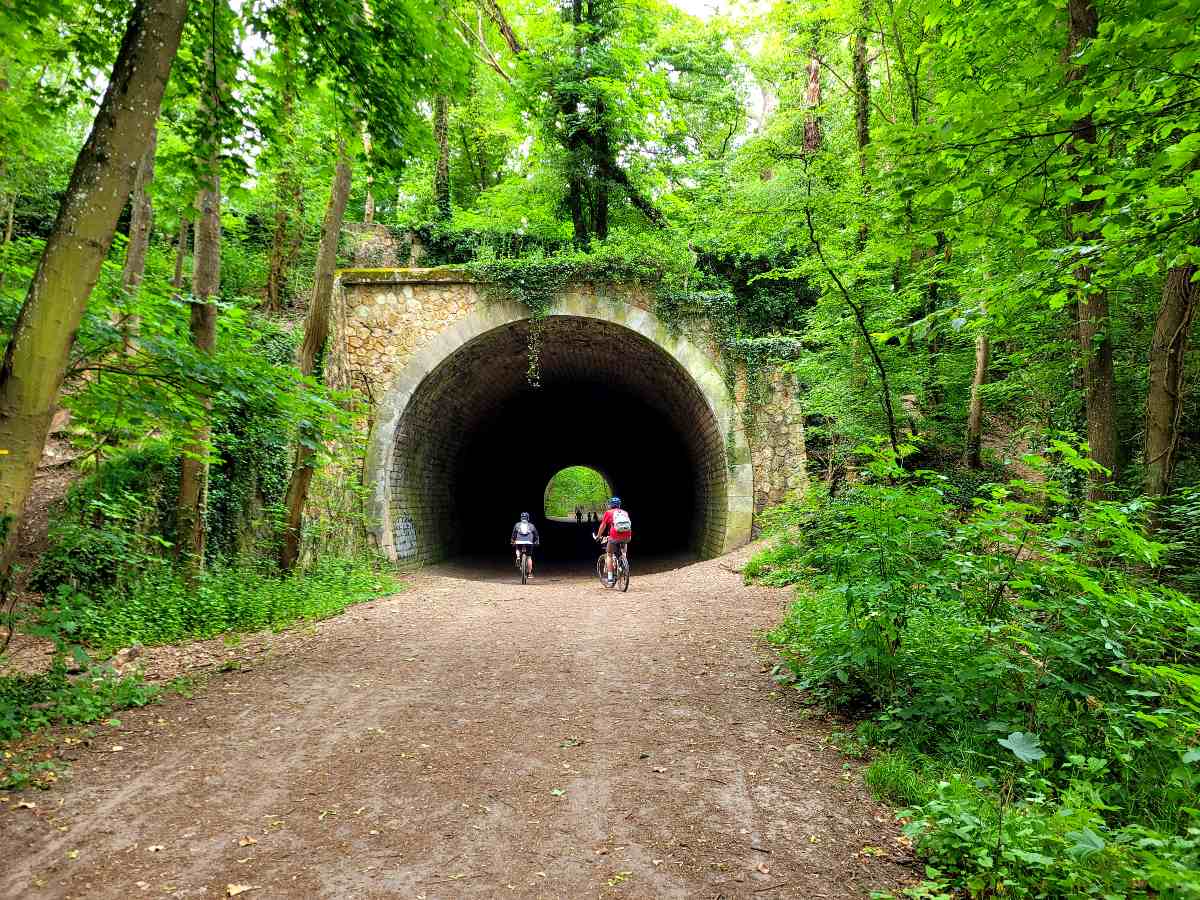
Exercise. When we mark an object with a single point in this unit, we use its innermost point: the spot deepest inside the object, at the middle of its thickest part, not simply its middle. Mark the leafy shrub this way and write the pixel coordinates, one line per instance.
(1034, 618)
(30, 702)
(160, 607)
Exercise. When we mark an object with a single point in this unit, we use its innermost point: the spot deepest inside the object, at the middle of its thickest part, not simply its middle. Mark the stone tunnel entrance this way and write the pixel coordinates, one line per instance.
(465, 443)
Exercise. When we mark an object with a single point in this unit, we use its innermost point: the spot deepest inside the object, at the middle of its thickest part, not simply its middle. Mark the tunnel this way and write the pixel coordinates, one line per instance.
(477, 440)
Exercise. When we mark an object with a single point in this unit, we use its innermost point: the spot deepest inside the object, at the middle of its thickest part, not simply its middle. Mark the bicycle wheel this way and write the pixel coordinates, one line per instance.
(524, 568)
(600, 571)
(622, 573)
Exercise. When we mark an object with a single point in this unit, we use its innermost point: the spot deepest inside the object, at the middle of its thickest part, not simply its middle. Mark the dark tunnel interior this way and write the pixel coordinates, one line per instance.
(477, 445)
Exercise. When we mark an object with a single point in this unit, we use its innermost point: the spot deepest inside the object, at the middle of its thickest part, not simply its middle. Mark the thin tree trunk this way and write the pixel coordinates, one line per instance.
(369, 204)
(191, 533)
(10, 213)
(181, 252)
(141, 224)
(441, 171)
(316, 333)
(860, 321)
(35, 360)
(862, 137)
(1095, 341)
(972, 455)
(1164, 399)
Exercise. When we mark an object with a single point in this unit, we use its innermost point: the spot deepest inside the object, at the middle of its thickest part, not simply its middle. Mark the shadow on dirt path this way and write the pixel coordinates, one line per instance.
(475, 738)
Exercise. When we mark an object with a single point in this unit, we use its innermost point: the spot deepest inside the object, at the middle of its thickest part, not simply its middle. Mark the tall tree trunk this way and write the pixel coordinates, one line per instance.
(862, 88)
(190, 527)
(600, 196)
(1095, 341)
(972, 455)
(181, 252)
(285, 188)
(141, 224)
(287, 182)
(1164, 399)
(35, 360)
(316, 333)
(862, 138)
(934, 395)
(441, 171)
(369, 203)
(812, 101)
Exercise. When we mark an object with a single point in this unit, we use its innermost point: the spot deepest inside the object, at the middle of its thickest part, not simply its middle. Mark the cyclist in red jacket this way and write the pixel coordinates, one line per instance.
(620, 529)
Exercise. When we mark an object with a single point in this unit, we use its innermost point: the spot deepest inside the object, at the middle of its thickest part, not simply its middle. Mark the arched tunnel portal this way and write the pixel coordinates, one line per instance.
(464, 442)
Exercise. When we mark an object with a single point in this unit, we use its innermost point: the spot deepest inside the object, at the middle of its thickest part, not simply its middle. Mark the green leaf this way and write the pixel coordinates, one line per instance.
(1026, 747)
(1086, 841)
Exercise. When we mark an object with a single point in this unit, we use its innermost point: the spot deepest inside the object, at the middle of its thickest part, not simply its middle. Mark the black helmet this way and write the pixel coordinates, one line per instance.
(524, 517)
(614, 503)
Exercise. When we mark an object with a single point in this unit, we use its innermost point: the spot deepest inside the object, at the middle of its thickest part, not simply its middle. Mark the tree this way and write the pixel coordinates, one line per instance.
(190, 526)
(441, 168)
(141, 223)
(36, 357)
(1095, 338)
(1165, 395)
(316, 333)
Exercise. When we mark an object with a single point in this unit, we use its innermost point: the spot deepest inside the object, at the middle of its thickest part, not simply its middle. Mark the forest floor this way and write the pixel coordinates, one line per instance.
(475, 738)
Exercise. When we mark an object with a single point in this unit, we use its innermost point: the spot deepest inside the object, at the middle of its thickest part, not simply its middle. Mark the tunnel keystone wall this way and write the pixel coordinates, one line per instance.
(396, 332)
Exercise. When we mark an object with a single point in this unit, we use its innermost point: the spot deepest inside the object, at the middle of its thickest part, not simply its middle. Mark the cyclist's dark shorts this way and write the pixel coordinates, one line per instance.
(528, 548)
(615, 542)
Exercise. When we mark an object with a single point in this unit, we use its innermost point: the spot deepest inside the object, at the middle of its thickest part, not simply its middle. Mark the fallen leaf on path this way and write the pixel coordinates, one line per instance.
(557, 792)
(659, 769)
(117, 748)
(762, 867)
(603, 851)
(618, 878)
(232, 890)
(26, 804)
(72, 854)
(155, 848)
(247, 841)
(873, 851)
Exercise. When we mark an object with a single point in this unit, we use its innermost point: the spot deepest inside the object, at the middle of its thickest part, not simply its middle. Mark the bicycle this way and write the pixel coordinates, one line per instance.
(620, 563)
(523, 562)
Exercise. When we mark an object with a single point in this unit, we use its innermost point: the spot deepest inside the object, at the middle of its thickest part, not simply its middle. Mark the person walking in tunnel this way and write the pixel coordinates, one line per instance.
(617, 523)
(525, 536)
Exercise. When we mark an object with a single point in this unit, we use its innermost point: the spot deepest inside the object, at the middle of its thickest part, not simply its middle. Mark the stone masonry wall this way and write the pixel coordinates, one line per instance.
(382, 317)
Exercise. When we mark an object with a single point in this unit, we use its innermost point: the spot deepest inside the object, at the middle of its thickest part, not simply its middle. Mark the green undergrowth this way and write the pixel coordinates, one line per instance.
(160, 607)
(1028, 679)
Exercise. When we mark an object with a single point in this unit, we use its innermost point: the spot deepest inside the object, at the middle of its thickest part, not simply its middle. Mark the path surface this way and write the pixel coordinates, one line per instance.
(475, 738)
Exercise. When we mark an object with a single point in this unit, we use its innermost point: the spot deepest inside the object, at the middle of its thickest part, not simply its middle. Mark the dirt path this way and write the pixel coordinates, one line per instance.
(475, 738)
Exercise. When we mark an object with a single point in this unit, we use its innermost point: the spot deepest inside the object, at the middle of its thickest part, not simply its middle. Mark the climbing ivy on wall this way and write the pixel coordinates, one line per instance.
(745, 332)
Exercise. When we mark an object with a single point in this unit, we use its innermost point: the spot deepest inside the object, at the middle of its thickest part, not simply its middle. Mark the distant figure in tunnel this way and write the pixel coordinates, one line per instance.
(617, 523)
(579, 515)
(525, 534)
